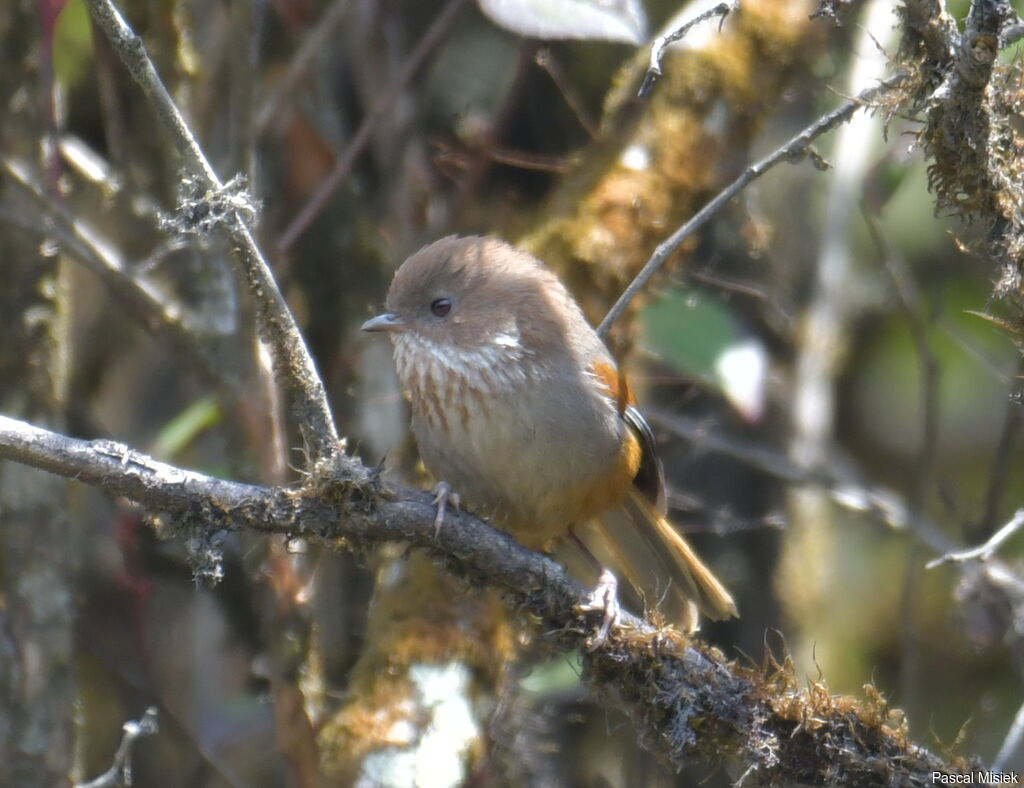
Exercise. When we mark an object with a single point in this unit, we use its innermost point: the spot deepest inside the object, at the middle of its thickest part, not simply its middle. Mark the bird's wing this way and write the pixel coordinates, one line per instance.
(650, 478)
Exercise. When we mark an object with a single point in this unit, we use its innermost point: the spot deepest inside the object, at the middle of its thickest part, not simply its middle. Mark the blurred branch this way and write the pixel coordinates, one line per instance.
(343, 166)
(968, 102)
(920, 321)
(844, 484)
(795, 149)
(275, 323)
(972, 348)
(913, 307)
(847, 488)
(1011, 743)
(246, 18)
(316, 42)
(120, 773)
(155, 311)
(545, 60)
(985, 551)
(686, 701)
(1002, 460)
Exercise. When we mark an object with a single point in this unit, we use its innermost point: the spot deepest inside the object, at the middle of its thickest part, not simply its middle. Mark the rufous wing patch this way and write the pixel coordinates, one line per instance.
(614, 383)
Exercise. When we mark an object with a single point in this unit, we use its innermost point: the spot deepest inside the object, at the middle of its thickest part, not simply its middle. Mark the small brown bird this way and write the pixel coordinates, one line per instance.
(518, 405)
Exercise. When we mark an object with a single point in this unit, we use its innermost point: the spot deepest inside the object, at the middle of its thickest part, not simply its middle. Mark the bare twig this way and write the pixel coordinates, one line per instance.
(155, 311)
(313, 46)
(913, 308)
(794, 149)
(776, 314)
(89, 164)
(985, 551)
(687, 703)
(245, 19)
(662, 42)
(275, 322)
(849, 490)
(546, 61)
(844, 485)
(973, 349)
(120, 772)
(344, 164)
(110, 99)
(1002, 461)
(1011, 743)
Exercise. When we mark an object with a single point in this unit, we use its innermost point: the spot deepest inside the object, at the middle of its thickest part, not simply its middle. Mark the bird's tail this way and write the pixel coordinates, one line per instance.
(658, 563)
(689, 572)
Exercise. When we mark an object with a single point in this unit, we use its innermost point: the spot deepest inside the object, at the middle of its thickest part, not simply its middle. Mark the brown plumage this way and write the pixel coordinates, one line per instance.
(520, 408)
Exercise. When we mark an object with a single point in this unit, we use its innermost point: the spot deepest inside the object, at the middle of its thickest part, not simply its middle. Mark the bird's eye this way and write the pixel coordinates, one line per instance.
(441, 307)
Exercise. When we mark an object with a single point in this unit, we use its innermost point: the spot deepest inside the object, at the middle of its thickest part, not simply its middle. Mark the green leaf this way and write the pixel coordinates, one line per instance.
(700, 338)
(184, 428)
(556, 675)
(688, 330)
(72, 44)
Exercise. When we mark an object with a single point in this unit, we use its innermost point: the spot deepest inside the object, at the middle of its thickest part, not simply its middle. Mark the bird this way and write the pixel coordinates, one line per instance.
(519, 407)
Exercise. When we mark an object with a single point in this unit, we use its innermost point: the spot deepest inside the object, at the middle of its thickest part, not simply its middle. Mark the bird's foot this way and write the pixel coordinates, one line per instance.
(604, 597)
(443, 494)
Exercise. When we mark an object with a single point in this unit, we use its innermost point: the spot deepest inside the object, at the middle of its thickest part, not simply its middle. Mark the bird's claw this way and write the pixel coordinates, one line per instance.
(604, 597)
(442, 495)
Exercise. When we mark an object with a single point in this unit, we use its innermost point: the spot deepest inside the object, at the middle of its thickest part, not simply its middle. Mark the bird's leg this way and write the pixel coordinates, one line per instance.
(604, 597)
(442, 495)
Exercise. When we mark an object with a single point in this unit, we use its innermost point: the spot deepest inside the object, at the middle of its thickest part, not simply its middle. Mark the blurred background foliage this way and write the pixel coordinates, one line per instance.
(496, 133)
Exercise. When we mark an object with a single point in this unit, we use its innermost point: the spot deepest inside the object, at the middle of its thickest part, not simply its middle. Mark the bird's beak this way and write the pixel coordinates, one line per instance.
(389, 322)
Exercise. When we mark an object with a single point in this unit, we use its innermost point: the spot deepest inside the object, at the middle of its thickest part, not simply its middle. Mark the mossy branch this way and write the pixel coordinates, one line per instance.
(969, 103)
(687, 701)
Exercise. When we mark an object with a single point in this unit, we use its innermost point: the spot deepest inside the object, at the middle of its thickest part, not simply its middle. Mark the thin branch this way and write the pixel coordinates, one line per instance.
(315, 44)
(913, 307)
(1011, 743)
(1002, 462)
(661, 43)
(120, 772)
(343, 166)
(245, 20)
(275, 323)
(844, 485)
(687, 702)
(985, 551)
(774, 311)
(570, 95)
(973, 349)
(152, 309)
(796, 148)
(847, 489)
